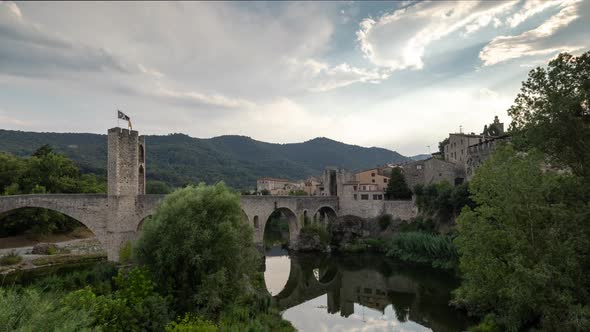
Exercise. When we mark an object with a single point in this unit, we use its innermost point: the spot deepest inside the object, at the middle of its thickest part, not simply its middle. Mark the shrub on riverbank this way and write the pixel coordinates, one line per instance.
(199, 250)
(436, 250)
(31, 310)
(11, 258)
(365, 245)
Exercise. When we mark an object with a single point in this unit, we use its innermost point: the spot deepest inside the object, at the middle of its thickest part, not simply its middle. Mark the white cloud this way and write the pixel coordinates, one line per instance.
(531, 8)
(319, 77)
(535, 41)
(13, 8)
(398, 40)
(198, 98)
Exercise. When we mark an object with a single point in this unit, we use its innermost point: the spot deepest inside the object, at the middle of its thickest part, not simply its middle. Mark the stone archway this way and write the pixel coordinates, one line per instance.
(286, 215)
(325, 215)
(80, 229)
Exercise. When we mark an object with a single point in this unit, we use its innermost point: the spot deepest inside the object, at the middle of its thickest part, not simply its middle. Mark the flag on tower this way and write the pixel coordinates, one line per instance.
(123, 116)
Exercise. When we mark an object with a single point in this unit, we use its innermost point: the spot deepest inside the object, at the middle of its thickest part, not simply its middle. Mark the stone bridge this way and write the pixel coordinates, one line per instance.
(297, 209)
(116, 217)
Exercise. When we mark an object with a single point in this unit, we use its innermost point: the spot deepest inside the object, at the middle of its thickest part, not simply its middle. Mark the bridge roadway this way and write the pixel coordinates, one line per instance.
(117, 219)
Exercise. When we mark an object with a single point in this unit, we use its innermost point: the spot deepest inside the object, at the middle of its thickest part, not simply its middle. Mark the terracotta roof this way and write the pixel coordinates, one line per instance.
(274, 179)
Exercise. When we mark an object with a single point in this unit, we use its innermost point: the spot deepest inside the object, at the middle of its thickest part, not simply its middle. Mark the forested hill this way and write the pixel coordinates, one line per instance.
(179, 159)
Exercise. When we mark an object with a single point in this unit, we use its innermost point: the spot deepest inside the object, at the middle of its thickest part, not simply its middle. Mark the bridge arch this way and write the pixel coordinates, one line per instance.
(12, 204)
(93, 227)
(142, 221)
(292, 222)
(304, 283)
(324, 214)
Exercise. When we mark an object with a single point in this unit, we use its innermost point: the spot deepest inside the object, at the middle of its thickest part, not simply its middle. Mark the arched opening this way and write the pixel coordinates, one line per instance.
(142, 223)
(325, 215)
(32, 231)
(305, 220)
(279, 229)
(141, 154)
(141, 180)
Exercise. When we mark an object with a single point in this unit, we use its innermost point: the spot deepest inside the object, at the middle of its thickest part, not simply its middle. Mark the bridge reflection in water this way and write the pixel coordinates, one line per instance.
(368, 292)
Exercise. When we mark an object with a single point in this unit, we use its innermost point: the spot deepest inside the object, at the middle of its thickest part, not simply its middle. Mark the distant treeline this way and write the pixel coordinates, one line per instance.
(178, 159)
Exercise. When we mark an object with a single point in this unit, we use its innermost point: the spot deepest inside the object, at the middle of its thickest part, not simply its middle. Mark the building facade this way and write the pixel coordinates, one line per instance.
(431, 171)
(480, 152)
(277, 187)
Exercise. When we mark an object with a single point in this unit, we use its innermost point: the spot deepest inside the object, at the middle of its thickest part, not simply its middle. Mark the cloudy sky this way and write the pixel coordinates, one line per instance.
(398, 75)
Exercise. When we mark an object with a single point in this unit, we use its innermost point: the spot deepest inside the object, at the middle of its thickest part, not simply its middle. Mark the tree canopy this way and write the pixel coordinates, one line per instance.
(199, 249)
(552, 112)
(43, 172)
(397, 188)
(525, 247)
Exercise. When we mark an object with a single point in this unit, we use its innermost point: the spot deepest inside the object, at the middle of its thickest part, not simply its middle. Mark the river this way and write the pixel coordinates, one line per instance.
(360, 292)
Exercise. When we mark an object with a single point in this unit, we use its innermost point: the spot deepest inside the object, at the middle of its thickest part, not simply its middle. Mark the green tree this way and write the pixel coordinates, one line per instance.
(157, 187)
(397, 188)
(441, 145)
(298, 192)
(43, 172)
(200, 250)
(552, 112)
(525, 247)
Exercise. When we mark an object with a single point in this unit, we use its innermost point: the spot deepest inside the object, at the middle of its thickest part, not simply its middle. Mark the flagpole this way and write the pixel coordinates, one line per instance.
(118, 125)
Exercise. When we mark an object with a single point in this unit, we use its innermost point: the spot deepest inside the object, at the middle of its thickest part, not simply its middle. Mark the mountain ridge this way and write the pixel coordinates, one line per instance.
(179, 159)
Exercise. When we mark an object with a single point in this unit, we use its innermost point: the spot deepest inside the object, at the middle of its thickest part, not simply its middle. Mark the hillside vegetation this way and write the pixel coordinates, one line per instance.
(180, 159)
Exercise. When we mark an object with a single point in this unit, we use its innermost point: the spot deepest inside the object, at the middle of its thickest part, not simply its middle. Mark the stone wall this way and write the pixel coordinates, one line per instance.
(432, 170)
(404, 210)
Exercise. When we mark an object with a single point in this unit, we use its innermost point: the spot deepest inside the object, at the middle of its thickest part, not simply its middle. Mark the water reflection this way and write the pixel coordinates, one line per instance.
(278, 266)
(363, 293)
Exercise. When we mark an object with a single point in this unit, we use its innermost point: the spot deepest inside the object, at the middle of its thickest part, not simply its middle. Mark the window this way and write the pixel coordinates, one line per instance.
(385, 180)
(377, 197)
(418, 166)
(354, 196)
(373, 174)
(373, 180)
(368, 291)
(354, 188)
(364, 197)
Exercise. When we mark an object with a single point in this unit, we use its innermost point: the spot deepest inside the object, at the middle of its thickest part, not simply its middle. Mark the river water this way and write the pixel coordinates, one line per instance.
(361, 292)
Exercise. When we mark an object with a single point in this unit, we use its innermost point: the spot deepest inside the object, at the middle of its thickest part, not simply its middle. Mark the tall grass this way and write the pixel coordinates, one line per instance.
(436, 250)
(31, 310)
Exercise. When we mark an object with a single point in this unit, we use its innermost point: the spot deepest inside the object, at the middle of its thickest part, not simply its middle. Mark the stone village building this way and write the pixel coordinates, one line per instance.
(461, 155)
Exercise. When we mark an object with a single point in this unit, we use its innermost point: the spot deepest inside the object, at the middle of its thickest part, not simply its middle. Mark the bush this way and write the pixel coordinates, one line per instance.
(99, 278)
(365, 245)
(242, 318)
(11, 258)
(419, 224)
(316, 229)
(199, 250)
(436, 250)
(133, 307)
(191, 323)
(125, 253)
(384, 221)
(30, 310)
